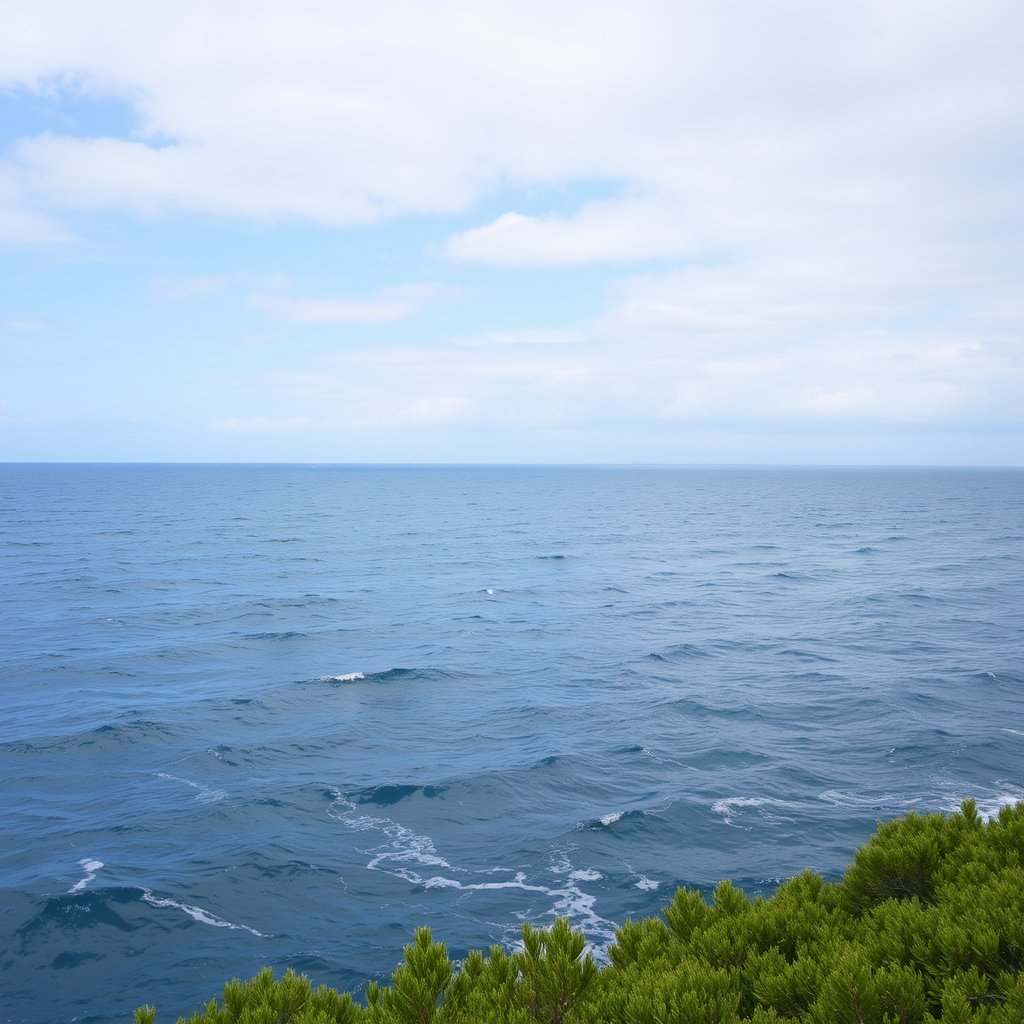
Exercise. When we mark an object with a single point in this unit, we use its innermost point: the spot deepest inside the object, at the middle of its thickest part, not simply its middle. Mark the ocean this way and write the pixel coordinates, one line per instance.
(284, 715)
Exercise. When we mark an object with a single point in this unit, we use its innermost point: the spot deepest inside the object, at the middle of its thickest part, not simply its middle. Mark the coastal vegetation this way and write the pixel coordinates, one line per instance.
(926, 925)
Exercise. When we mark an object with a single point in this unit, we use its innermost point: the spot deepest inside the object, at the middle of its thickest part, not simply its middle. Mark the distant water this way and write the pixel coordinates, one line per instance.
(285, 715)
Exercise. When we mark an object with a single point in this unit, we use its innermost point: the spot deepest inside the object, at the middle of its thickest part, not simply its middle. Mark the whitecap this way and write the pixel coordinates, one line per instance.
(610, 819)
(646, 884)
(348, 677)
(90, 867)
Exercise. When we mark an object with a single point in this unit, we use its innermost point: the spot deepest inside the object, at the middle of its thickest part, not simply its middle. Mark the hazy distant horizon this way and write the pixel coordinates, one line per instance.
(299, 463)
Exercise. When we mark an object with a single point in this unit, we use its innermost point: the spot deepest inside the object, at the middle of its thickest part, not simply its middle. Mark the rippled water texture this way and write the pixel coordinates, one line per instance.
(284, 715)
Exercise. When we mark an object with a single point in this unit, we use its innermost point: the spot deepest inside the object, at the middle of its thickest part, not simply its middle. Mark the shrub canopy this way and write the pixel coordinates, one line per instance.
(927, 925)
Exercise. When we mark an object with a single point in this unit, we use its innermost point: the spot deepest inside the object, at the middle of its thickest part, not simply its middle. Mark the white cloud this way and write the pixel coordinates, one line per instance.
(896, 379)
(604, 232)
(789, 344)
(835, 187)
(345, 114)
(21, 222)
(384, 305)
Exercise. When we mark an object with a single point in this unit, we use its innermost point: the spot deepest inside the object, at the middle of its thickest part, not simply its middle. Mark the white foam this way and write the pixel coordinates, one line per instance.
(727, 807)
(206, 795)
(948, 802)
(563, 867)
(90, 867)
(348, 677)
(197, 913)
(610, 819)
(989, 804)
(491, 592)
(406, 850)
(859, 801)
(403, 846)
(643, 882)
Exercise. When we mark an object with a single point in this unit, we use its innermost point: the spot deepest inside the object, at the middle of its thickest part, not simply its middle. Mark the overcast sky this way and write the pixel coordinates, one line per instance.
(730, 231)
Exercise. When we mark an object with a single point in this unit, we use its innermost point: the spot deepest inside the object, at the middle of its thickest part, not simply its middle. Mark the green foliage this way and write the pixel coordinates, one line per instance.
(926, 926)
(417, 984)
(554, 973)
(261, 1000)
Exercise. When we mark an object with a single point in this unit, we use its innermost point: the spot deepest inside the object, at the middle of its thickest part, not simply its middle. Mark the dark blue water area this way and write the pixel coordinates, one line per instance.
(284, 715)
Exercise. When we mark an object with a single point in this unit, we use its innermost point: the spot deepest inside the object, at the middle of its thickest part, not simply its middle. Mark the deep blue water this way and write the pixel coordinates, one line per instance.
(284, 715)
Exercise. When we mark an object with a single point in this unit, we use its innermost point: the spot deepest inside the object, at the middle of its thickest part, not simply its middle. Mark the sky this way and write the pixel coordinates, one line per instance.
(512, 232)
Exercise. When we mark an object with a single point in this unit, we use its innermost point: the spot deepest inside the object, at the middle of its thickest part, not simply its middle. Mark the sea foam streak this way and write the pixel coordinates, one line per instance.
(206, 795)
(406, 848)
(728, 807)
(196, 913)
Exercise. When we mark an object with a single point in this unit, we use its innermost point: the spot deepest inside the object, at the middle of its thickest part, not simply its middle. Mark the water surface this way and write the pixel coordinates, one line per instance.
(284, 715)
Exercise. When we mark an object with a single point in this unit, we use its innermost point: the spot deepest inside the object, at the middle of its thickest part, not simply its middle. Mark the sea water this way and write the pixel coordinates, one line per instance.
(284, 715)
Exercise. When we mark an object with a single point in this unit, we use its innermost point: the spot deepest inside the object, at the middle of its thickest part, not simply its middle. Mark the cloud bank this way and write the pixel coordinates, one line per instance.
(803, 213)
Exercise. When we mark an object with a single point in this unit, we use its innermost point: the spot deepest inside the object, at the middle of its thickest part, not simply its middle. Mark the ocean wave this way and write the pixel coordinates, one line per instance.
(606, 821)
(390, 675)
(102, 738)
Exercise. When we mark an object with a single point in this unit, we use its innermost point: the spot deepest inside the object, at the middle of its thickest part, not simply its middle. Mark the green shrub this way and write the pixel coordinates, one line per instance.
(926, 926)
